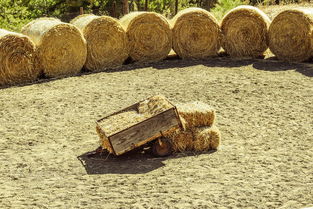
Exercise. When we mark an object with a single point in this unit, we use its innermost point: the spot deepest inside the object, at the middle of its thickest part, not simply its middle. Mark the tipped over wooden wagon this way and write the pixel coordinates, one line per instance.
(143, 123)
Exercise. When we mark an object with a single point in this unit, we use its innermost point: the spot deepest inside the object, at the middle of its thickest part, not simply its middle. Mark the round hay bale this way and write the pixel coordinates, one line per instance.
(149, 35)
(196, 34)
(17, 59)
(206, 138)
(196, 114)
(107, 43)
(245, 32)
(290, 35)
(61, 46)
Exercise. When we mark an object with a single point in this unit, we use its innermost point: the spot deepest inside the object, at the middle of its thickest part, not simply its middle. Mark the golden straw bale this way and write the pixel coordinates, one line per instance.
(196, 114)
(61, 46)
(290, 35)
(17, 59)
(196, 34)
(181, 140)
(206, 138)
(149, 34)
(107, 43)
(245, 32)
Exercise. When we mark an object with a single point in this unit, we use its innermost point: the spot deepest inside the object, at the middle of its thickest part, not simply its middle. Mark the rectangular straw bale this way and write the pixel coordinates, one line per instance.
(181, 140)
(206, 138)
(196, 114)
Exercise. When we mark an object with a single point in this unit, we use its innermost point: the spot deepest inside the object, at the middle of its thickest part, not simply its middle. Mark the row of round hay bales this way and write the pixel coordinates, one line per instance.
(46, 46)
(56, 49)
(244, 32)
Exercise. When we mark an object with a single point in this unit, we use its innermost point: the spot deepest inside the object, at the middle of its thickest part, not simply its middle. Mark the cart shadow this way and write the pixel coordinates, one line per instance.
(129, 163)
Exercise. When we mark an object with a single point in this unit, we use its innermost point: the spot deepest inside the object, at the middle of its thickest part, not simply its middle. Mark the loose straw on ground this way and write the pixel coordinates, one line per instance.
(61, 46)
(149, 34)
(196, 34)
(290, 35)
(245, 32)
(107, 43)
(17, 59)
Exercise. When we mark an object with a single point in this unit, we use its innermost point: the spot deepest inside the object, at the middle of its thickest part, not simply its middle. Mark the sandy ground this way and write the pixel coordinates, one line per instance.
(264, 111)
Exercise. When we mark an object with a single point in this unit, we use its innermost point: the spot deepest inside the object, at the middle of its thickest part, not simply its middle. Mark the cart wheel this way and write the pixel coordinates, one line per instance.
(162, 147)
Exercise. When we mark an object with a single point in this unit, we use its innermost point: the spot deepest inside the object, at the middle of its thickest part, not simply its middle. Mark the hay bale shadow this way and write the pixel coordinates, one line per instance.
(128, 163)
(273, 64)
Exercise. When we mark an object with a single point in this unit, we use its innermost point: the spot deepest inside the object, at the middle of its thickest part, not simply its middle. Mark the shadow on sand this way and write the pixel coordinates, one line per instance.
(268, 64)
(272, 64)
(265, 64)
(128, 163)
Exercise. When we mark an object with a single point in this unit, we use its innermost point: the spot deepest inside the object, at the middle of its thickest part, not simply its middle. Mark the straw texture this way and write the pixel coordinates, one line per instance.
(290, 35)
(196, 114)
(149, 34)
(181, 140)
(245, 32)
(206, 138)
(107, 43)
(61, 47)
(17, 59)
(196, 34)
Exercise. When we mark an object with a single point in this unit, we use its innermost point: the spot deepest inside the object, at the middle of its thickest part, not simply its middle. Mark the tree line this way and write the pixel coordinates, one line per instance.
(15, 13)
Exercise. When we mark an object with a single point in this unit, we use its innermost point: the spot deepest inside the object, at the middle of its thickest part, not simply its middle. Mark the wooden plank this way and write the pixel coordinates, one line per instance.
(148, 129)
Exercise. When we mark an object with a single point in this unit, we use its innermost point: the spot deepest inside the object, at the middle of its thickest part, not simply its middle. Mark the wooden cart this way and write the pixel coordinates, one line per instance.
(150, 130)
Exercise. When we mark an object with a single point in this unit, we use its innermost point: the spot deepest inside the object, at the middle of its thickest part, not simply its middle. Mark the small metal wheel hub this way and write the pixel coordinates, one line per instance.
(162, 147)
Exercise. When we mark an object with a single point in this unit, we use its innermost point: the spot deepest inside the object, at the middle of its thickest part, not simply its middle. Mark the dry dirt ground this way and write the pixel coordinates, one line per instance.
(264, 111)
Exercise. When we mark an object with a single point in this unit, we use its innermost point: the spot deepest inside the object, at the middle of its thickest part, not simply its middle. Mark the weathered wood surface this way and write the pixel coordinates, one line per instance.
(144, 132)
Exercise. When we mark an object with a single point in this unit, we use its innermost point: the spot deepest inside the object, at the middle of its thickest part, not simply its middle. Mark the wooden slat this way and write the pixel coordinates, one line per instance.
(146, 130)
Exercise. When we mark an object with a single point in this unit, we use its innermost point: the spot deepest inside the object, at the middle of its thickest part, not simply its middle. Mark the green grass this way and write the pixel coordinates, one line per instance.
(223, 6)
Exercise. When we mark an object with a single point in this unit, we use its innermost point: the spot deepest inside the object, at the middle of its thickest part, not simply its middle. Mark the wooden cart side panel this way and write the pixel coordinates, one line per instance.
(138, 134)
